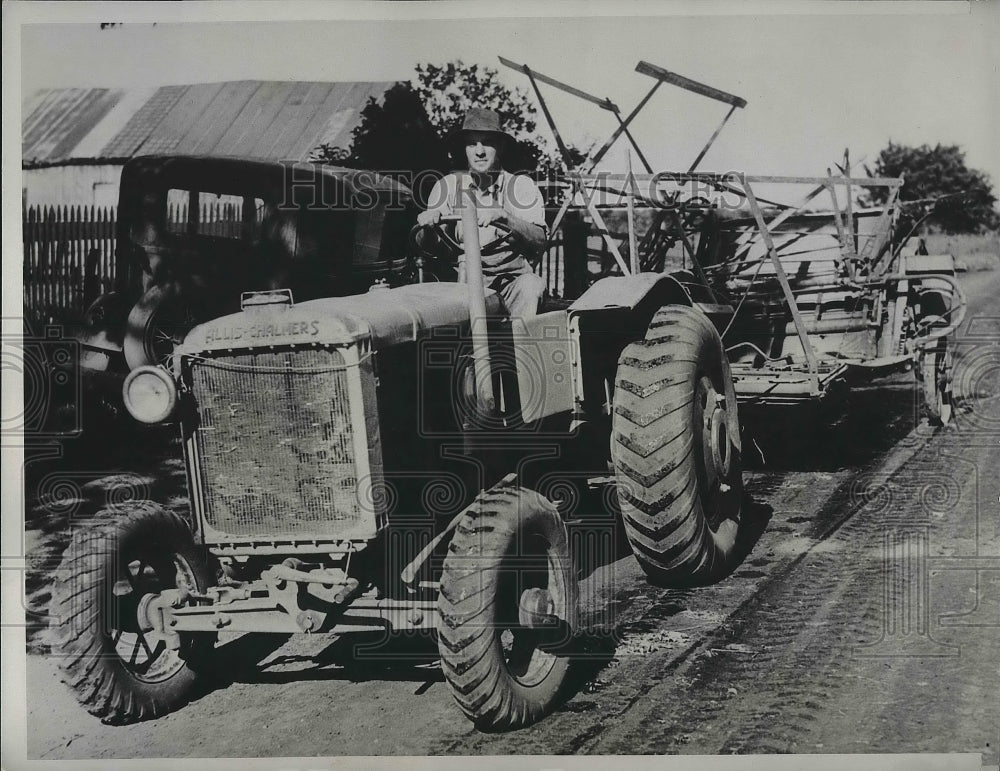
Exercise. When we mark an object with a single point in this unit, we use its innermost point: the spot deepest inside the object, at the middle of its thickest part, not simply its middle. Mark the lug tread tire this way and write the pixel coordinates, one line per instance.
(471, 657)
(87, 660)
(653, 448)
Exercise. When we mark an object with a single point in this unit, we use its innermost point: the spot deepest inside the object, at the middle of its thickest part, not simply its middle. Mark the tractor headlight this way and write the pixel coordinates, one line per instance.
(150, 394)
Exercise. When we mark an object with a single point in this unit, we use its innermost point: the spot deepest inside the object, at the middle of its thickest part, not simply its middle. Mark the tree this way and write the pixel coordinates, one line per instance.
(449, 90)
(962, 198)
(395, 138)
(406, 134)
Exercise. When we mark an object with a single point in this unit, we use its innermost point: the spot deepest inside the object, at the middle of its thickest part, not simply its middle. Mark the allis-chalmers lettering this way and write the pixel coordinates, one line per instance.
(257, 331)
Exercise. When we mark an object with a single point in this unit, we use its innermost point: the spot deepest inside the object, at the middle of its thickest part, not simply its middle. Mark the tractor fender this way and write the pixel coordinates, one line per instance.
(612, 313)
(630, 291)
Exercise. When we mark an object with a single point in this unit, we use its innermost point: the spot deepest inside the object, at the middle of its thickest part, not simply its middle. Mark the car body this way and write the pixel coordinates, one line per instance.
(195, 232)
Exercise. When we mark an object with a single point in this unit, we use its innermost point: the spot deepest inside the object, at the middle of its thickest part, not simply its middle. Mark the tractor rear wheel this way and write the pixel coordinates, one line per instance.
(507, 608)
(119, 671)
(676, 450)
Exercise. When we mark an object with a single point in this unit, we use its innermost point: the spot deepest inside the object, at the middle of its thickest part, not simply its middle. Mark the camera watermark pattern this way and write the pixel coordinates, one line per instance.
(533, 378)
(72, 505)
(912, 505)
(977, 389)
(48, 367)
(906, 626)
(66, 492)
(939, 494)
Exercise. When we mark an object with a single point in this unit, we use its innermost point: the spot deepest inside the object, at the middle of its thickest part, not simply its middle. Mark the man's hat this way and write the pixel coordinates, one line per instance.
(482, 120)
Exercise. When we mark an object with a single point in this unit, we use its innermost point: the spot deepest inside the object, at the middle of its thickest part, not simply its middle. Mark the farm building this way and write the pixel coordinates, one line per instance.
(75, 140)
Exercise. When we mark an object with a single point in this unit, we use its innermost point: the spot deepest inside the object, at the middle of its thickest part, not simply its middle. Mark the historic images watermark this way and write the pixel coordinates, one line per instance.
(306, 186)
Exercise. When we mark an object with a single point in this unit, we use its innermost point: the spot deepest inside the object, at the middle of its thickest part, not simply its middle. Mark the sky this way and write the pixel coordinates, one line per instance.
(847, 77)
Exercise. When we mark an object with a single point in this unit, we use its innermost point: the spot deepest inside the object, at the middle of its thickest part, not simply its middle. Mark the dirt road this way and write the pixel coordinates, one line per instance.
(865, 619)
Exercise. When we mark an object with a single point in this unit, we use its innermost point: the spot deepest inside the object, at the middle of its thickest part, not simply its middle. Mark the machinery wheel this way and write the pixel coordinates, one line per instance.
(676, 450)
(507, 608)
(156, 324)
(118, 671)
(935, 373)
(934, 368)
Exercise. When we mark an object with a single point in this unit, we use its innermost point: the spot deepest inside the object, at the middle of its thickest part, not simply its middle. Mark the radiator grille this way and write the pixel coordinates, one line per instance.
(275, 443)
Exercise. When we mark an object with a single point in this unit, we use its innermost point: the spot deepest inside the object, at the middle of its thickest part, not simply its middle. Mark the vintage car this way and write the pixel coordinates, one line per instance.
(194, 233)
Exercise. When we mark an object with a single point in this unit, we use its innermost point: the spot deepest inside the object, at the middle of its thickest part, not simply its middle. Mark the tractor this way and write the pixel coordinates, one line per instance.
(371, 463)
(384, 461)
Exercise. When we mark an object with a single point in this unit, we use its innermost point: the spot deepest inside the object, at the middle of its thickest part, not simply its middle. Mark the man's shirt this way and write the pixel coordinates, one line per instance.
(516, 194)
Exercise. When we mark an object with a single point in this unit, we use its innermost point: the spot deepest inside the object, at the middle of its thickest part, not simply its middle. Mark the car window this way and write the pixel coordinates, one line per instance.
(221, 215)
(177, 210)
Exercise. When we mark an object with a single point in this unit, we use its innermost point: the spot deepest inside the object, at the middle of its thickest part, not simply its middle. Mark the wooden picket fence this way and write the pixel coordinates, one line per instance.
(68, 260)
(69, 254)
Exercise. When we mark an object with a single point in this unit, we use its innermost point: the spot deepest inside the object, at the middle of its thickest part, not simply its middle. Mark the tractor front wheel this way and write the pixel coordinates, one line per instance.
(121, 671)
(507, 609)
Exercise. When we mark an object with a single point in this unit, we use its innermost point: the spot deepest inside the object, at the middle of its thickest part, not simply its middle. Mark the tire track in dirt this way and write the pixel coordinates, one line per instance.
(784, 651)
(660, 682)
(784, 629)
(659, 630)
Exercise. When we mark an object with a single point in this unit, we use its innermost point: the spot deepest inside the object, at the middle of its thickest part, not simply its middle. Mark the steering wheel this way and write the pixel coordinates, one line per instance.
(429, 255)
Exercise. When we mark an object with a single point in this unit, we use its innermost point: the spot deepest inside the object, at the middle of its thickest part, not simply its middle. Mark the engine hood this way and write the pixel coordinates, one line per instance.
(388, 316)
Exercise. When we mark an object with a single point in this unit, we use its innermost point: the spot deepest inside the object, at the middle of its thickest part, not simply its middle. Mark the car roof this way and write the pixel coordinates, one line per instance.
(237, 175)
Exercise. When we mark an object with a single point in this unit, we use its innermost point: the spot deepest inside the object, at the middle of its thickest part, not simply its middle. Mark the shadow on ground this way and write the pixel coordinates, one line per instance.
(866, 424)
(354, 658)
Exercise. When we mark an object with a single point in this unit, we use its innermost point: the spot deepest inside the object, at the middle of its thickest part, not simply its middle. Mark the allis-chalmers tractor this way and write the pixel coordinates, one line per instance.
(380, 462)
(367, 463)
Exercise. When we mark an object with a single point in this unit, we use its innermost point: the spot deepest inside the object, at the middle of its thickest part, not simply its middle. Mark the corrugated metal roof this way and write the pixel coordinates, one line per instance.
(57, 120)
(273, 120)
(138, 128)
(92, 144)
(261, 119)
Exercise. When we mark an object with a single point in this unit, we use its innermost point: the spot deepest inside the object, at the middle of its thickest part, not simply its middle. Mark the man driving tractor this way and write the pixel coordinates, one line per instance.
(505, 202)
